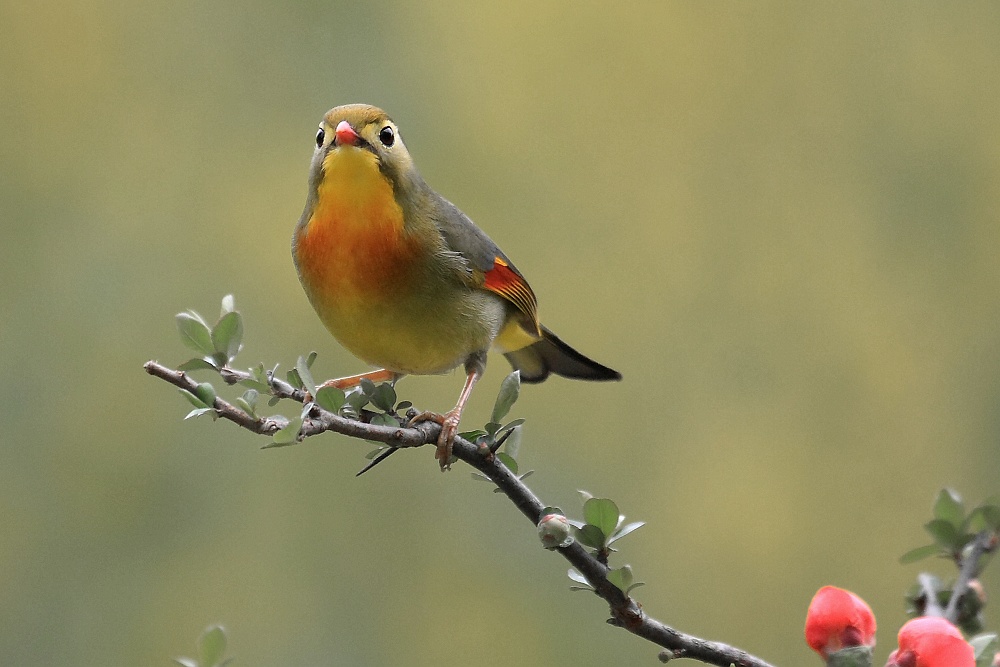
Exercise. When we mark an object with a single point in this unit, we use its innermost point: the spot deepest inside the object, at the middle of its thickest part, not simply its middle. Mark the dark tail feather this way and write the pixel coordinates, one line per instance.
(551, 355)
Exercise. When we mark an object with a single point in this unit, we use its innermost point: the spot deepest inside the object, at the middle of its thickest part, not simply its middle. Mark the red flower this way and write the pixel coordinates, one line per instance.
(931, 641)
(837, 619)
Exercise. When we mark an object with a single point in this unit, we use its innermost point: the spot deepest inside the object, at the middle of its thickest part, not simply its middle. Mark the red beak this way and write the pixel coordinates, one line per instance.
(345, 134)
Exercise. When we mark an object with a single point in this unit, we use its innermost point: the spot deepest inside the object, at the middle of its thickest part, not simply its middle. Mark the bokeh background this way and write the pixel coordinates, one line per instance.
(778, 220)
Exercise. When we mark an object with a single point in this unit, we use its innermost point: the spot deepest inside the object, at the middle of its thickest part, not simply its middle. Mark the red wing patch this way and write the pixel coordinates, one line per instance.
(504, 281)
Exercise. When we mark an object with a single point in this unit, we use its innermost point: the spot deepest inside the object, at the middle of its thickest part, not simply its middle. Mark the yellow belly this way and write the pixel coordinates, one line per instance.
(414, 335)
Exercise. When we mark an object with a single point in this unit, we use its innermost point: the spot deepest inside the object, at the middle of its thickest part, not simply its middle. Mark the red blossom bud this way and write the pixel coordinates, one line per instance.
(931, 641)
(838, 619)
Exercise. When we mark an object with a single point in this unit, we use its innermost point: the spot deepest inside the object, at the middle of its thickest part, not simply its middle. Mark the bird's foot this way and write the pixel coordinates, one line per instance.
(446, 440)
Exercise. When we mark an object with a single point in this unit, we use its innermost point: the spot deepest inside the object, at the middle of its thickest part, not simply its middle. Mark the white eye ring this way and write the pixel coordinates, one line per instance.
(387, 136)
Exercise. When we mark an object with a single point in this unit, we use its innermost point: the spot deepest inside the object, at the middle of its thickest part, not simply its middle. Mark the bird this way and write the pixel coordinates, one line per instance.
(404, 280)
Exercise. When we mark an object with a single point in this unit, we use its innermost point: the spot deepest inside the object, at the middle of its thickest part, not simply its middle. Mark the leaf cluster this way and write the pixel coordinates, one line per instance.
(217, 345)
(955, 532)
(496, 433)
(603, 526)
(952, 528)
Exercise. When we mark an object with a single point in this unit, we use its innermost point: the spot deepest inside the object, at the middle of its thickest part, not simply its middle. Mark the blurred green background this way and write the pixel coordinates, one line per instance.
(778, 220)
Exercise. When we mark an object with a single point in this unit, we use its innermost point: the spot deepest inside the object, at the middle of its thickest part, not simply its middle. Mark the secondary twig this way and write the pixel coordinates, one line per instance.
(969, 570)
(928, 586)
(625, 612)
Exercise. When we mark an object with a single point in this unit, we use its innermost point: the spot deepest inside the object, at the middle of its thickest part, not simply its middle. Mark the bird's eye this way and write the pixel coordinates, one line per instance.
(319, 138)
(386, 136)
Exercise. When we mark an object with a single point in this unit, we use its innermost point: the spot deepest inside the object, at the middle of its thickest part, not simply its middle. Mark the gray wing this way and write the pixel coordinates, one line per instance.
(463, 237)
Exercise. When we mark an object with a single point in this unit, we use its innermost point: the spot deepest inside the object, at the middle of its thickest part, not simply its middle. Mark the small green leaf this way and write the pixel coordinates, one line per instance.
(293, 378)
(509, 390)
(492, 428)
(511, 425)
(197, 412)
(254, 384)
(983, 517)
(584, 585)
(634, 586)
(331, 399)
(590, 536)
(273, 401)
(302, 368)
(920, 553)
(382, 419)
(403, 406)
(367, 387)
(621, 578)
(192, 399)
(384, 397)
(212, 646)
(512, 445)
(248, 402)
(625, 530)
(227, 335)
(251, 396)
(508, 461)
(603, 513)
(944, 533)
(194, 332)
(311, 359)
(290, 434)
(948, 507)
(991, 513)
(258, 379)
(245, 407)
(984, 647)
(197, 364)
(357, 400)
(206, 392)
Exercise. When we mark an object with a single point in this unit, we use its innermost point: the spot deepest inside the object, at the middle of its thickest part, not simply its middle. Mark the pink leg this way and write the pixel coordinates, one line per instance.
(449, 420)
(351, 381)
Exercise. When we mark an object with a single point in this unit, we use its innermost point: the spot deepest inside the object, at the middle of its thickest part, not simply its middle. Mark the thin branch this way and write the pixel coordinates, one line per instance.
(625, 612)
(968, 571)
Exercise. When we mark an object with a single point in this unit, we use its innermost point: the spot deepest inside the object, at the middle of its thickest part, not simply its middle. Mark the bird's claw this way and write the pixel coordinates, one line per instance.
(446, 440)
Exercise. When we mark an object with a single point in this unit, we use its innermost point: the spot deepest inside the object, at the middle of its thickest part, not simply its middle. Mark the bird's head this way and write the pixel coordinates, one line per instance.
(361, 136)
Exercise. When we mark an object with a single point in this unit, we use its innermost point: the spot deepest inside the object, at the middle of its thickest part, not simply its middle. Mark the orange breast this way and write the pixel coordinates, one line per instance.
(354, 249)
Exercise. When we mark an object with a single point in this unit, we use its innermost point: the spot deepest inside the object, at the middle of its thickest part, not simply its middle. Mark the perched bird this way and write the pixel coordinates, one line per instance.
(404, 280)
